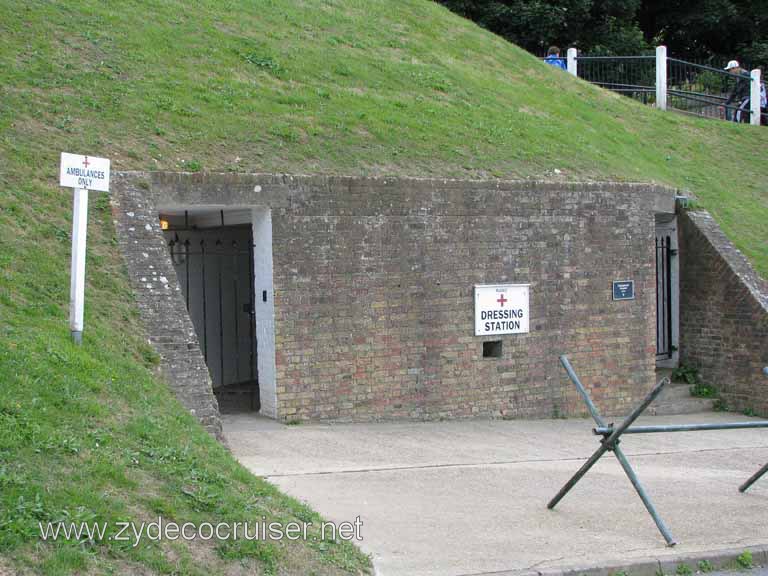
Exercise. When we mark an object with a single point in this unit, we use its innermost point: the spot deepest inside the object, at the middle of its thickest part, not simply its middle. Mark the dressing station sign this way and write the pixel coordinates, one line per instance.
(501, 309)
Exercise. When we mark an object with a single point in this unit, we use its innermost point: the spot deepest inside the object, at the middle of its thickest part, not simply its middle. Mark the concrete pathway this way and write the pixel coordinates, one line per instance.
(469, 497)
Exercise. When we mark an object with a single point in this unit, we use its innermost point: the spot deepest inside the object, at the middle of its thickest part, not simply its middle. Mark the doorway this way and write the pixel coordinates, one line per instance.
(667, 291)
(212, 254)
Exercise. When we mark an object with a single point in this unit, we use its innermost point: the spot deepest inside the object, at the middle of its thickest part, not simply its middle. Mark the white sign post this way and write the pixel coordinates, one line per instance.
(502, 309)
(82, 173)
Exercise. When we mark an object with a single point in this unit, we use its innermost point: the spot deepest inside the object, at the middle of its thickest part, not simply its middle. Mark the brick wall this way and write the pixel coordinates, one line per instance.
(723, 314)
(374, 298)
(373, 288)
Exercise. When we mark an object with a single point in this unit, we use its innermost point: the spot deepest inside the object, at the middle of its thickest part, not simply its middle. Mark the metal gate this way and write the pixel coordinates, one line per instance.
(664, 253)
(215, 271)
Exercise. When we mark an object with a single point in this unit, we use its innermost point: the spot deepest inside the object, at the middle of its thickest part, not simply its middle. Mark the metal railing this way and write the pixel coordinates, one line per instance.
(671, 83)
(631, 76)
(703, 91)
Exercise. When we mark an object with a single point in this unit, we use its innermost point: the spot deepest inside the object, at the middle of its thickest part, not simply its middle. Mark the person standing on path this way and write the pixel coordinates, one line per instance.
(739, 95)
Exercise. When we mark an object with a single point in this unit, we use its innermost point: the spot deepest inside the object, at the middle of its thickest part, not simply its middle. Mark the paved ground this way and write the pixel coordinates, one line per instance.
(461, 498)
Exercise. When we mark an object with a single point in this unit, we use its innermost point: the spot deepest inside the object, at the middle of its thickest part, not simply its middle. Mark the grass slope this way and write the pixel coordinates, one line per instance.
(89, 434)
(342, 86)
(311, 86)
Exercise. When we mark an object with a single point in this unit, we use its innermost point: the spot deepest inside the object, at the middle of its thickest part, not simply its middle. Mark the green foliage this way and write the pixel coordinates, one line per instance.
(720, 405)
(264, 62)
(148, 354)
(688, 374)
(357, 90)
(683, 570)
(594, 26)
(88, 434)
(744, 560)
(701, 390)
(191, 166)
(710, 30)
(705, 566)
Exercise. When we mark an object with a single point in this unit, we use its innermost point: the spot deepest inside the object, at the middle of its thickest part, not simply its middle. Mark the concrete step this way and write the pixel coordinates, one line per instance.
(675, 391)
(692, 406)
(676, 399)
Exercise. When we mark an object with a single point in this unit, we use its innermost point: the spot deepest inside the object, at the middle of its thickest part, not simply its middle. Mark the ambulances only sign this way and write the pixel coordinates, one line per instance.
(86, 172)
(501, 309)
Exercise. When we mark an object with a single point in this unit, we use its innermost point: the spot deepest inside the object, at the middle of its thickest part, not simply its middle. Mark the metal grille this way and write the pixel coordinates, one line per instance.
(663, 297)
(215, 273)
(633, 76)
(703, 90)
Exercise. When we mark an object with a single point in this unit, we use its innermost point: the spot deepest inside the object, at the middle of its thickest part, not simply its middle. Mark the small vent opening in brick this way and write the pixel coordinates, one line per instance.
(492, 349)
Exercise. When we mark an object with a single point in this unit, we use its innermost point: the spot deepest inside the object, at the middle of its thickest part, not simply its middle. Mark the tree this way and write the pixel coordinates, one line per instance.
(594, 26)
(710, 30)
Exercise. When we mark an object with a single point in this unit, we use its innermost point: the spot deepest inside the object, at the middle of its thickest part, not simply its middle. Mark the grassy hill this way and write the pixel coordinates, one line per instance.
(310, 86)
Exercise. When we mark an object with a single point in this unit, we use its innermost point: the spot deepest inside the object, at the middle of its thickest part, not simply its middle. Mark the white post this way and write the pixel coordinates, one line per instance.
(77, 279)
(571, 62)
(754, 98)
(661, 77)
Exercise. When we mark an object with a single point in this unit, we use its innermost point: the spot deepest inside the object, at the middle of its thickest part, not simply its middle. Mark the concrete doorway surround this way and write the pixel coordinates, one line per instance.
(141, 212)
(222, 257)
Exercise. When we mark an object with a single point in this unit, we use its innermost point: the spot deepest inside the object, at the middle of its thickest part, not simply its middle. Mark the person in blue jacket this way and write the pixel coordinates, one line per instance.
(553, 58)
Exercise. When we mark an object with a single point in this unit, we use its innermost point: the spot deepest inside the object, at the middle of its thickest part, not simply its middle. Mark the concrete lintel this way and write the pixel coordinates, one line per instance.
(183, 189)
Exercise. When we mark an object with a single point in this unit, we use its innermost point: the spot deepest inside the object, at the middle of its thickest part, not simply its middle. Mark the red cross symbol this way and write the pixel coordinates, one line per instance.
(85, 162)
(501, 300)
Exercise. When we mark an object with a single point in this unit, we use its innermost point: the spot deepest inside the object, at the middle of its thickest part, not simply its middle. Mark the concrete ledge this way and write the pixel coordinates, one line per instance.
(652, 566)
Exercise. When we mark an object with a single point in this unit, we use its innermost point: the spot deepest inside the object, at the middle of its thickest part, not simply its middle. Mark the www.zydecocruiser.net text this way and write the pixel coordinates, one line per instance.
(162, 529)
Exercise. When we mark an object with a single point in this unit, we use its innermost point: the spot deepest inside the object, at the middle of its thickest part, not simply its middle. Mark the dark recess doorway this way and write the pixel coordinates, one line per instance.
(214, 266)
(667, 292)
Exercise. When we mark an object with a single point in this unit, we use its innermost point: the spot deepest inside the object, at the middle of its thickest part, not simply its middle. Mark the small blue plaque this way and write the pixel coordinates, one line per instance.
(623, 289)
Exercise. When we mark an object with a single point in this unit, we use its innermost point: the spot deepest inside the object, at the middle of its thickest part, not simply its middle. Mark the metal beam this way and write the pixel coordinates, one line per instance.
(754, 478)
(607, 430)
(644, 497)
(610, 443)
(579, 474)
(583, 391)
(635, 414)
